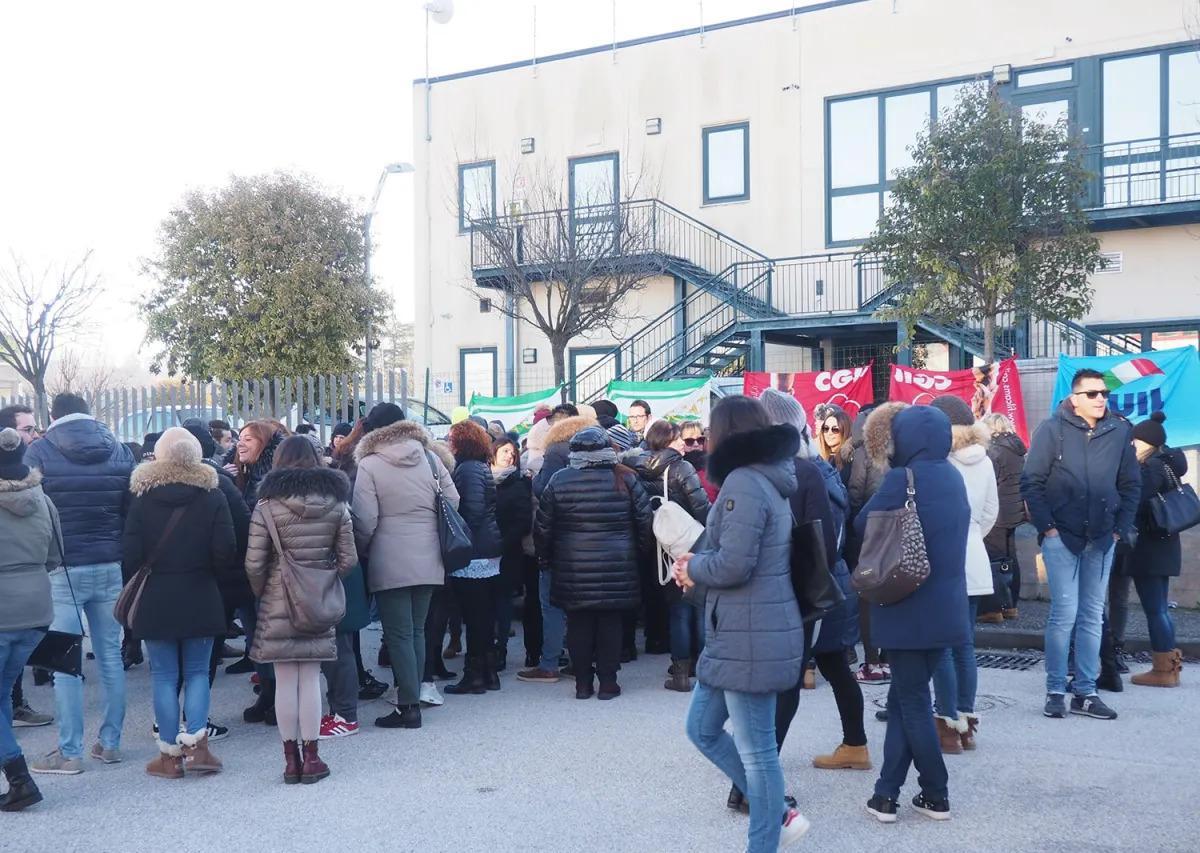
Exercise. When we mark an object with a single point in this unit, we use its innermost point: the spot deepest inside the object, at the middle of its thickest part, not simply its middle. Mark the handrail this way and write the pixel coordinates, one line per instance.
(705, 226)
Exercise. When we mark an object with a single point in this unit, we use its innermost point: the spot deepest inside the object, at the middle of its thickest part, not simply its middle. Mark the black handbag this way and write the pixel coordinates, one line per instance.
(1175, 509)
(60, 651)
(817, 592)
(453, 533)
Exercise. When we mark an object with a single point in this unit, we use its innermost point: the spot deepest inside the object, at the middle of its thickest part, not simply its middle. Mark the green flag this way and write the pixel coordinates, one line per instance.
(675, 400)
(516, 413)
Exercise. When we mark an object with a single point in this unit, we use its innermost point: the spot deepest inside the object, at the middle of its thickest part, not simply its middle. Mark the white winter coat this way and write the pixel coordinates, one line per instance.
(969, 456)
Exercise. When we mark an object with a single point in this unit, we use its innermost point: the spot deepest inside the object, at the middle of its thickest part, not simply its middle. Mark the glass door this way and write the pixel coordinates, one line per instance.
(594, 197)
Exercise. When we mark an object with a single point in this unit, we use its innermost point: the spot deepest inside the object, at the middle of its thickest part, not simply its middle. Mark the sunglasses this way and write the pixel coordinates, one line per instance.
(834, 429)
(1092, 395)
(694, 442)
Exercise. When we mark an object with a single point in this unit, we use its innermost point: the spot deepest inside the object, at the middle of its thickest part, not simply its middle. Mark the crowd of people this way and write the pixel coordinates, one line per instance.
(205, 532)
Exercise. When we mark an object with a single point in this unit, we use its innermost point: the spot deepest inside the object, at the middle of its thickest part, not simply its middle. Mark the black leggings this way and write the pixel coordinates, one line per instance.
(477, 601)
(846, 693)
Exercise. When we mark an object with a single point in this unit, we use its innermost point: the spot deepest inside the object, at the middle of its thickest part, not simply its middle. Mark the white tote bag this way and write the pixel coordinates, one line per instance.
(675, 530)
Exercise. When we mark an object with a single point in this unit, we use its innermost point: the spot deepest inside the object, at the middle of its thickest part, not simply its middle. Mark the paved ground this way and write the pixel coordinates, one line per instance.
(1029, 630)
(532, 769)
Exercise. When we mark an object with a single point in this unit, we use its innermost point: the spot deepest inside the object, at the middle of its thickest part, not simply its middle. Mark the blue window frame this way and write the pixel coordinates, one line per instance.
(478, 372)
(726, 159)
(594, 194)
(580, 359)
(476, 193)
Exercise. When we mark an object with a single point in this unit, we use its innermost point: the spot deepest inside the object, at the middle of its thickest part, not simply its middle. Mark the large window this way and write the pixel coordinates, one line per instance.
(477, 373)
(476, 193)
(726, 163)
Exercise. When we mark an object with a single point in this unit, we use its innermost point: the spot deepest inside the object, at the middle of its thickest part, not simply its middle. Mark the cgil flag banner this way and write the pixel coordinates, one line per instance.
(850, 388)
(516, 413)
(675, 400)
(1161, 381)
(987, 389)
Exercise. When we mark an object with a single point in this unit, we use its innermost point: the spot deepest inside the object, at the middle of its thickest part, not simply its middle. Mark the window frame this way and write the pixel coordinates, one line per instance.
(463, 352)
(705, 133)
(464, 226)
(573, 371)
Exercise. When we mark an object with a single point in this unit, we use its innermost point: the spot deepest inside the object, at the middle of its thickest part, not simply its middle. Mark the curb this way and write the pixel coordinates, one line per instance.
(990, 638)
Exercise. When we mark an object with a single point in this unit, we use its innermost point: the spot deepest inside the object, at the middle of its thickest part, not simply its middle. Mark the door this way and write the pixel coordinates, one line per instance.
(476, 373)
(580, 360)
(595, 192)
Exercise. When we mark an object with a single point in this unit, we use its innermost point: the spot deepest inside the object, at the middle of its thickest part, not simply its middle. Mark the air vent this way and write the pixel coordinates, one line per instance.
(1112, 262)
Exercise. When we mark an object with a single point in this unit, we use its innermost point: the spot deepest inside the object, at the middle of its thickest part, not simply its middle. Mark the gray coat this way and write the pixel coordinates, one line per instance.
(395, 515)
(755, 637)
(31, 535)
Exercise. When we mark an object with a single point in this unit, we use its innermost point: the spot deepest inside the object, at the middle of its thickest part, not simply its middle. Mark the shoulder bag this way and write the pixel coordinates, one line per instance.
(893, 562)
(315, 597)
(126, 608)
(675, 531)
(60, 651)
(453, 533)
(817, 592)
(1176, 508)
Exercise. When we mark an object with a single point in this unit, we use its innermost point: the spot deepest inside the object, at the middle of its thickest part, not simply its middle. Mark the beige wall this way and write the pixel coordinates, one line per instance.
(1160, 277)
(776, 75)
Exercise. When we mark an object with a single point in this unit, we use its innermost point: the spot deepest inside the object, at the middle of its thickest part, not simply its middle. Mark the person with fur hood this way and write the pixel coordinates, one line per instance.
(304, 507)
(956, 679)
(179, 525)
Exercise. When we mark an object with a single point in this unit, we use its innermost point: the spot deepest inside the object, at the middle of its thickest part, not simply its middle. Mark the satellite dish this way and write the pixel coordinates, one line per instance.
(440, 10)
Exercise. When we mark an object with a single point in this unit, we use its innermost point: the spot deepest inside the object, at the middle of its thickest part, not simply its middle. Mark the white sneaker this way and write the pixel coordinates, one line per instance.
(795, 825)
(430, 695)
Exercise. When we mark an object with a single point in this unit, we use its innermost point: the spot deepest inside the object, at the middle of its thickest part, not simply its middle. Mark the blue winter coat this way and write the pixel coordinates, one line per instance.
(85, 471)
(935, 616)
(839, 628)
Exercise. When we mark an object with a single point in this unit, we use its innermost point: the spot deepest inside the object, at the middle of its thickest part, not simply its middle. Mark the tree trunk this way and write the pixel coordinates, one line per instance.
(41, 405)
(989, 337)
(558, 351)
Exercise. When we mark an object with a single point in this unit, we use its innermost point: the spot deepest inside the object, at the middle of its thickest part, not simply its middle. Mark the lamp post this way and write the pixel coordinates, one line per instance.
(389, 169)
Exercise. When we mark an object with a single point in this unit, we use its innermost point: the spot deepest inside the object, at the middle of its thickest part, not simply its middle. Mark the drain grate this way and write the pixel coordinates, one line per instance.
(1014, 661)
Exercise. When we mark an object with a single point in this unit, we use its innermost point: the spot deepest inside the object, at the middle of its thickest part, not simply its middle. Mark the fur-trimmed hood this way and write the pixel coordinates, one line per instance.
(764, 447)
(877, 433)
(442, 451)
(163, 472)
(386, 441)
(897, 434)
(33, 478)
(561, 432)
(975, 435)
(283, 483)
(23, 497)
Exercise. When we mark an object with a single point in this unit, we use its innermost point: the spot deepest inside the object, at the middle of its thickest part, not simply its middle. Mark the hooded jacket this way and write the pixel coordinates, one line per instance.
(591, 529)
(935, 616)
(309, 508)
(182, 595)
(1156, 555)
(861, 472)
(85, 471)
(969, 456)
(395, 509)
(754, 635)
(1007, 453)
(29, 529)
(558, 441)
(1082, 481)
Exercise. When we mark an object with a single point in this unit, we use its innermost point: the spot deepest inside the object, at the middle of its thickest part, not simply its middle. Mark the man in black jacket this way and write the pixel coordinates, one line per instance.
(1081, 484)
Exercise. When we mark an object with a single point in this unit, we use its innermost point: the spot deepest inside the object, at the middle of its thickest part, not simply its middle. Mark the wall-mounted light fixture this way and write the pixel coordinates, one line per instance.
(1001, 73)
(527, 145)
(529, 356)
(653, 126)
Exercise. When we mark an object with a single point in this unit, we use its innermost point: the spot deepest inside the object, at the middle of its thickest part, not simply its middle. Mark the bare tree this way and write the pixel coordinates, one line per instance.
(35, 310)
(90, 380)
(568, 262)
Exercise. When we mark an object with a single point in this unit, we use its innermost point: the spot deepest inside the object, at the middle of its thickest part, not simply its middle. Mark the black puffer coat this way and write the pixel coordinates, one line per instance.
(1007, 453)
(683, 482)
(1156, 555)
(477, 505)
(514, 509)
(592, 528)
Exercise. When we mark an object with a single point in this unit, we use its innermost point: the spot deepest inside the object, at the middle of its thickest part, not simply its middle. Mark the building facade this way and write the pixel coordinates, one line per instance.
(757, 154)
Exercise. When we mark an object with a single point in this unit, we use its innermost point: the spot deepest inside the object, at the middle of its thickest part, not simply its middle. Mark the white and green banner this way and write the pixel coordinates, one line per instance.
(516, 413)
(675, 400)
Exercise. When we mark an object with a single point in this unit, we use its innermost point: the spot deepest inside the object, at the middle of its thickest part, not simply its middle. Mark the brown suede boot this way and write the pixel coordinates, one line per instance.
(968, 737)
(844, 758)
(948, 735)
(679, 681)
(293, 768)
(996, 618)
(196, 755)
(1163, 673)
(168, 764)
(314, 769)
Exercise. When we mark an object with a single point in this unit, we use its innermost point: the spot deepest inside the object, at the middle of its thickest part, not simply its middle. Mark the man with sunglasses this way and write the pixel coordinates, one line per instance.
(1081, 484)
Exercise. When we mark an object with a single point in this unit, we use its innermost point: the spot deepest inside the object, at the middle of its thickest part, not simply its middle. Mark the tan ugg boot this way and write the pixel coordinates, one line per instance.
(168, 764)
(1163, 672)
(968, 737)
(844, 758)
(948, 734)
(196, 755)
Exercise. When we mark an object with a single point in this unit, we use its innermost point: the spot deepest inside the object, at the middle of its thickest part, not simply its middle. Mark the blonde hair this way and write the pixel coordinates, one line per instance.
(998, 423)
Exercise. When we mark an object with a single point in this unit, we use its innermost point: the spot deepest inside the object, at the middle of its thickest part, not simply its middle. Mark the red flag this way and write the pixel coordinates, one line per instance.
(850, 388)
(991, 388)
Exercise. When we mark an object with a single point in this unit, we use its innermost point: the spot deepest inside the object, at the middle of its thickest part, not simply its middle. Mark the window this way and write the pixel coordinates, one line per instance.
(476, 193)
(1044, 76)
(1131, 102)
(595, 190)
(905, 116)
(854, 142)
(582, 359)
(476, 373)
(726, 163)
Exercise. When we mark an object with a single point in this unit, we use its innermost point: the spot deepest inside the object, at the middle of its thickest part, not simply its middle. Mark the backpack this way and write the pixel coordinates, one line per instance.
(675, 531)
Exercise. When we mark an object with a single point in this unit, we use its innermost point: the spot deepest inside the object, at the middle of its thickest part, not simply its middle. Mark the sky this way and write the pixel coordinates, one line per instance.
(114, 110)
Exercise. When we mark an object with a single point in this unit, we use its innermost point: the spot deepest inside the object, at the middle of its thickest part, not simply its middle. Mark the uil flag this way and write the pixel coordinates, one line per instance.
(1129, 371)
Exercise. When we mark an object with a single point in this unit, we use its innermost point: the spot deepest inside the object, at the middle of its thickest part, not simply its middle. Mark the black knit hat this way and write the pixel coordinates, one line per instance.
(208, 447)
(956, 409)
(343, 428)
(384, 414)
(12, 451)
(1151, 431)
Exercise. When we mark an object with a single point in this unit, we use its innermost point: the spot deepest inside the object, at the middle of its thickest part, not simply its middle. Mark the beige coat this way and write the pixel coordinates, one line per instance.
(395, 516)
(310, 511)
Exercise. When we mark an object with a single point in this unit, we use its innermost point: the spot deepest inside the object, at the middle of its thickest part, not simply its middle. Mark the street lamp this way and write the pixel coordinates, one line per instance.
(389, 169)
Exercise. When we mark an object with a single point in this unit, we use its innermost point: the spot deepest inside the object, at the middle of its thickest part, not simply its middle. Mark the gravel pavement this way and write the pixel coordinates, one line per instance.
(532, 769)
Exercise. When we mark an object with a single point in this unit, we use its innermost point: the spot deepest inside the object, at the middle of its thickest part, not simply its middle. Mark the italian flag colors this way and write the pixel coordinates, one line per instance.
(1129, 371)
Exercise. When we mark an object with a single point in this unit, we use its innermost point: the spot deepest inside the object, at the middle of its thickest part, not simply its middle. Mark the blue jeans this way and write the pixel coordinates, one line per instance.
(749, 757)
(96, 590)
(15, 649)
(168, 659)
(956, 679)
(1078, 586)
(687, 630)
(911, 736)
(554, 626)
(1153, 594)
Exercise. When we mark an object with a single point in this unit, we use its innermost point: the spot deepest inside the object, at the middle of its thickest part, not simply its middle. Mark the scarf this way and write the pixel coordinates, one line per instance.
(592, 458)
(502, 474)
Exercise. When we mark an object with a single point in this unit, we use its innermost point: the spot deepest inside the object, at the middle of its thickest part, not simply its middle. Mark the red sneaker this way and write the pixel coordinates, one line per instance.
(334, 726)
(870, 674)
(254, 679)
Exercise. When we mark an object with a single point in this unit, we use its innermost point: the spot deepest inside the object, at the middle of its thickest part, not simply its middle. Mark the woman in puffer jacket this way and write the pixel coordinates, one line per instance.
(308, 506)
(755, 639)
(477, 586)
(665, 444)
(591, 531)
(955, 680)
(514, 515)
(1007, 453)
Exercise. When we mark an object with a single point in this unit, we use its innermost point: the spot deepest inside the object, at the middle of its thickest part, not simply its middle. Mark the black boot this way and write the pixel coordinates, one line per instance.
(1110, 675)
(1119, 651)
(22, 792)
(500, 659)
(264, 706)
(473, 680)
(491, 672)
